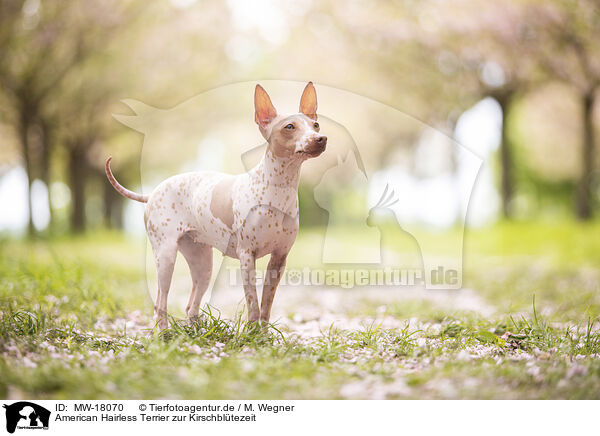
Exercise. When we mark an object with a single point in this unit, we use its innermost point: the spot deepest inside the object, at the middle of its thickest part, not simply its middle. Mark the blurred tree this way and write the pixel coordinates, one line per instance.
(58, 71)
(443, 57)
(82, 113)
(503, 50)
(39, 45)
(487, 39)
(32, 62)
(568, 47)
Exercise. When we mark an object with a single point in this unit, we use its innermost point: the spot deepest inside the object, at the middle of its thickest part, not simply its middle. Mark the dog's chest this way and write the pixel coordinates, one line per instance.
(265, 215)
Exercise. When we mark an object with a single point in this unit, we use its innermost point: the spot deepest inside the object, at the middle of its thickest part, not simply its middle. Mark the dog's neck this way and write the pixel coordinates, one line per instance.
(283, 172)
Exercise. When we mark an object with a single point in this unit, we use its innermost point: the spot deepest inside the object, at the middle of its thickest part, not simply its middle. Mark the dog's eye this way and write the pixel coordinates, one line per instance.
(316, 125)
(289, 126)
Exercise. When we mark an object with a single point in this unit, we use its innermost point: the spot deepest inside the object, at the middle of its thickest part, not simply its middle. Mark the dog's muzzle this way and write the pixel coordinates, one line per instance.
(316, 146)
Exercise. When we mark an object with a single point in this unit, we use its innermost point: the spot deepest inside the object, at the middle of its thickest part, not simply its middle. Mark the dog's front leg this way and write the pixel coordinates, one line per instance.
(248, 262)
(274, 271)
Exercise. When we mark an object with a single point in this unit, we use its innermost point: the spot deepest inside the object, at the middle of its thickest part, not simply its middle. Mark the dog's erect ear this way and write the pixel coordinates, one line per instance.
(308, 101)
(264, 111)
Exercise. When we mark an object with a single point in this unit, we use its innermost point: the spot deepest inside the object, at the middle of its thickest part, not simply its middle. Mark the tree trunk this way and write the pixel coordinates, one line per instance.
(113, 206)
(24, 139)
(45, 165)
(584, 192)
(77, 176)
(506, 160)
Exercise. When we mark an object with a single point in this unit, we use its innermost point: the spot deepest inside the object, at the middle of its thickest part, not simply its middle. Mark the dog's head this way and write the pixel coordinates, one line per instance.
(295, 136)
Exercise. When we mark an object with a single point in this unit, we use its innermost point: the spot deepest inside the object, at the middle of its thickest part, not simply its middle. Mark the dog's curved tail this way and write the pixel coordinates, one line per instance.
(119, 188)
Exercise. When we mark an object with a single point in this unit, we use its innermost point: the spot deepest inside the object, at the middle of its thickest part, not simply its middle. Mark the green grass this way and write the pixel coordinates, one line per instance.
(76, 322)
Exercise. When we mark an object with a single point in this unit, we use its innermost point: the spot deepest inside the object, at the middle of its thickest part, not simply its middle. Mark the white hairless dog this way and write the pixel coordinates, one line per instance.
(245, 217)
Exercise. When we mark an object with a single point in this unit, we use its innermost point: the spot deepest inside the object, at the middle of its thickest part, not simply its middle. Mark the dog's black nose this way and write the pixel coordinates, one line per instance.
(322, 140)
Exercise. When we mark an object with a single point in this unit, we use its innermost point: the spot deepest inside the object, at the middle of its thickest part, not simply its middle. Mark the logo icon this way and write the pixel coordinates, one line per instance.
(26, 415)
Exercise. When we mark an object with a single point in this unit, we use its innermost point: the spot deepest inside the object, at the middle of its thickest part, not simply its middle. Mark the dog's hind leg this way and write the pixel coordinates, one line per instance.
(164, 257)
(199, 259)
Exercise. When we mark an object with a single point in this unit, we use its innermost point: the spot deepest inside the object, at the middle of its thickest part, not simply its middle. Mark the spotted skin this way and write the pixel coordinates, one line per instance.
(246, 216)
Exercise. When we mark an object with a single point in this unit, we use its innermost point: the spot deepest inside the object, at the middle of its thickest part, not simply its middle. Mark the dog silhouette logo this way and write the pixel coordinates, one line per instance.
(26, 415)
